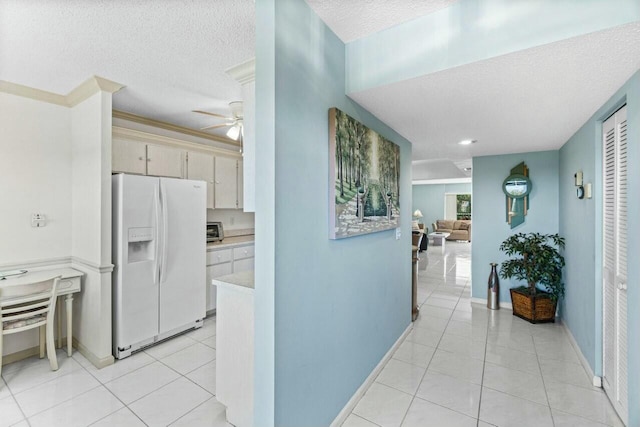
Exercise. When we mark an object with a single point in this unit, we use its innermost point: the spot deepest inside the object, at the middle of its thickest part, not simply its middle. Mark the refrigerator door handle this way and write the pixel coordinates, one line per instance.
(165, 232)
(158, 209)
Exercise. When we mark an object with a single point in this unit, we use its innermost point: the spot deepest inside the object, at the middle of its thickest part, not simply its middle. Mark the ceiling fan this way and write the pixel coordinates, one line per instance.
(235, 122)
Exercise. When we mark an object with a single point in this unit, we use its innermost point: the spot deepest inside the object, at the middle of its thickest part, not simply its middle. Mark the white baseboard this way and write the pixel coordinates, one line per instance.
(596, 381)
(342, 416)
(95, 360)
(483, 301)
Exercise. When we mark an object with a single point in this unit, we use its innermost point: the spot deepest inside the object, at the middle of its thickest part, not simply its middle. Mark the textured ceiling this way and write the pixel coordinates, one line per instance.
(531, 100)
(354, 19)
(170, 54)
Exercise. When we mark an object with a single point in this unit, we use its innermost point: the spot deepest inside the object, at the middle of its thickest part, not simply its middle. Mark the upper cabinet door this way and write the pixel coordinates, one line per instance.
(240, 185)
(226, 191)
(165, 161)
(200, 166)
(128, 156)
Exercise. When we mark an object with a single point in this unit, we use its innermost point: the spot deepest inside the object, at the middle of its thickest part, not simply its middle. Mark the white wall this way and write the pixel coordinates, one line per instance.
(35, 176)
(241, 220)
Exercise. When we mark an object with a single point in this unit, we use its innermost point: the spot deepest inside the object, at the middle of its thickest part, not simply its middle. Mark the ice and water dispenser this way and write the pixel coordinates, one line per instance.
(141, 244)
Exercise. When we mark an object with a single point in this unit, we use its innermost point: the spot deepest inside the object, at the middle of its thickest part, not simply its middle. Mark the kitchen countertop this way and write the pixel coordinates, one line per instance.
(229, 242)
(243, 281)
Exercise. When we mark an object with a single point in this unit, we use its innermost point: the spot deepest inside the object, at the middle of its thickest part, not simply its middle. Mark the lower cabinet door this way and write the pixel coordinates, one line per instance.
(245, 264)
(214, 271)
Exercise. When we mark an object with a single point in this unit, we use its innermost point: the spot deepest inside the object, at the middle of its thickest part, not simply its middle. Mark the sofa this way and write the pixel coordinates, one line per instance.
(459, 230)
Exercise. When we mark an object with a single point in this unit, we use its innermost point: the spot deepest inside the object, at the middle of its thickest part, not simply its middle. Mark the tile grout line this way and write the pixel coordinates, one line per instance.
(413, 398)
(484, 363)
(544, 384)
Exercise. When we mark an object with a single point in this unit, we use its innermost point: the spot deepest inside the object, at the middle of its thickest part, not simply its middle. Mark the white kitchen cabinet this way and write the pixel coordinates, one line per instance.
(165, 161)
(241, 265)
(200, 167)
(214, 271)
(129, 156)
(240, 185)
(223, 261)
(226, 191)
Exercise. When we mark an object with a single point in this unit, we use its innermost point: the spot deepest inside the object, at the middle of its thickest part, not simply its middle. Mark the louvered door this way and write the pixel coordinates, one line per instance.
(614, 169)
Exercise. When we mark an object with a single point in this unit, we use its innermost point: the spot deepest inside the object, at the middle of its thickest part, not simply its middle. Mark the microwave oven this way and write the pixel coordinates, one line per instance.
(215, 233)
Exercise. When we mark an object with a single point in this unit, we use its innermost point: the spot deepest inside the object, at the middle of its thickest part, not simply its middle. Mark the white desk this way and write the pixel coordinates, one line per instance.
(69, 284)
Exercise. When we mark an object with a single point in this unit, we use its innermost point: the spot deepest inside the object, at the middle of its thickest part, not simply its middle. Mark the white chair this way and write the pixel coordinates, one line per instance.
(30, 306)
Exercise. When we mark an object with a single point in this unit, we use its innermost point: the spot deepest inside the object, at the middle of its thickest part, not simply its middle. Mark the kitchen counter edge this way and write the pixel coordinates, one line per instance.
(243, 281)
(230, 242)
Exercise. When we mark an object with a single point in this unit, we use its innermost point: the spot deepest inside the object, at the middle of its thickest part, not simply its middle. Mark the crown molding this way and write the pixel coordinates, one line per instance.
(33, 93)
(245, 72)
(175, 128)
(141, 136)
(442, 181)
(91, 86)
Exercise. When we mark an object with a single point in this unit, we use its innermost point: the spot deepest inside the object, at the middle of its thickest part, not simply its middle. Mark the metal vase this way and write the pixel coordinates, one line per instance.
(493, 291)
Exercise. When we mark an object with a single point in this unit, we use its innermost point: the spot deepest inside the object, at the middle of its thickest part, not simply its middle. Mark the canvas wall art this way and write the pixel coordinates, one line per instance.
(364, 177)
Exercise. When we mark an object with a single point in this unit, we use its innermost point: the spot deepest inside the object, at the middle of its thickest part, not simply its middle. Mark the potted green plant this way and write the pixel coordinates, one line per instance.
(539, 263)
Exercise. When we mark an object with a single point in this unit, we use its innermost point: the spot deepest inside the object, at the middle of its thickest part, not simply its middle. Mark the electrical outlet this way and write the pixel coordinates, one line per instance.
(398, 233)
(38, 220)
(232, 220)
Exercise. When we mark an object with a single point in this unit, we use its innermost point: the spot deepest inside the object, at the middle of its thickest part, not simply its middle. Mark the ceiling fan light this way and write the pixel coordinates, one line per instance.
(467, 142)
(234, 132)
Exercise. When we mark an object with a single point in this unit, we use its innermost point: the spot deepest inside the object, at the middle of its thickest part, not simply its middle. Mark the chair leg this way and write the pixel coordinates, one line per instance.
(51, 346)
(42, 340)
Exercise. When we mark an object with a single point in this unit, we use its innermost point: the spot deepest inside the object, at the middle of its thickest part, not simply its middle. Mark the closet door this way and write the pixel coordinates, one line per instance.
(614, 169)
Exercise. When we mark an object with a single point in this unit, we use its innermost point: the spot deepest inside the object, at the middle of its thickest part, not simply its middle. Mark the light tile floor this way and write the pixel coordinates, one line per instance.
(169, 384)
(461, 365)
(464, 365)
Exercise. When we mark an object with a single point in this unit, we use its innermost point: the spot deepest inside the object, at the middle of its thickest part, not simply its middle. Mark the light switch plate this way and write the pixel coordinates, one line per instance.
(398, 233)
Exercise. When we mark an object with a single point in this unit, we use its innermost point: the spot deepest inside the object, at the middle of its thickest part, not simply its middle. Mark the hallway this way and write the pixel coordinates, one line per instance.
(464, 365)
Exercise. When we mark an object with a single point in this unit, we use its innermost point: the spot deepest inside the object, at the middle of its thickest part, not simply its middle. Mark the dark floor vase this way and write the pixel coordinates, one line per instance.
(539, 308)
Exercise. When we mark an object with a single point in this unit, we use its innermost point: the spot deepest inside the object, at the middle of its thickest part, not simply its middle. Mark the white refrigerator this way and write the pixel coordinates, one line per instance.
(159, 252)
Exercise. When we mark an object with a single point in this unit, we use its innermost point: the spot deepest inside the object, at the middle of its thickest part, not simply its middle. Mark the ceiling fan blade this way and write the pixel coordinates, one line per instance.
(218, 126)
(213, 114)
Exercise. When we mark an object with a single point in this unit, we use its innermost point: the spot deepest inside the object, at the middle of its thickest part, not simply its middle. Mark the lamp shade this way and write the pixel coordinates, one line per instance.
(417, 213)
(234, 132)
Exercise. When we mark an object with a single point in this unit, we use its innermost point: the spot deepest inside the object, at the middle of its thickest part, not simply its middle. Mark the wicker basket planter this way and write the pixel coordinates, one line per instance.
(539, 308)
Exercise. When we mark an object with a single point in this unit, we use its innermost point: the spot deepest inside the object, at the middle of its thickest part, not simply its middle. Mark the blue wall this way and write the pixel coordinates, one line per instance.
(472, 30)
(339, 305)
(581, 224)
(490, 228)
(429, 198)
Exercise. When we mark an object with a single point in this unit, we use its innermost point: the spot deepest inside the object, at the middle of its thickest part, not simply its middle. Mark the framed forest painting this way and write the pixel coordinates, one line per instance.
(364, 176)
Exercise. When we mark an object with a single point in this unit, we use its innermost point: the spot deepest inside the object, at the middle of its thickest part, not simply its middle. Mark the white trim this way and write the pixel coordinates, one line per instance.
(442, 181)
(92, 85)
(33, 93)
(37, 263)
(145, 121)
(136, 135)
(245, 72)
(108, 268)
(596, 380)
(342, 416)
(95, 360)
(483, 301)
